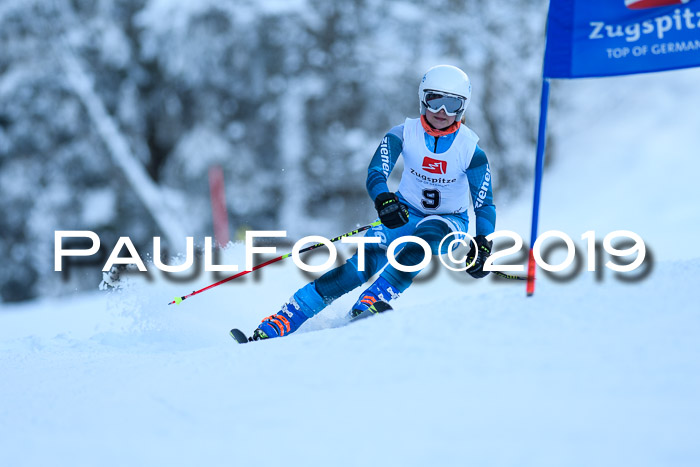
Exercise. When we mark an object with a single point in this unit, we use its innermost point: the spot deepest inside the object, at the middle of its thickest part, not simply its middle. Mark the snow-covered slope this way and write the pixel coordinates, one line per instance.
(587, 372)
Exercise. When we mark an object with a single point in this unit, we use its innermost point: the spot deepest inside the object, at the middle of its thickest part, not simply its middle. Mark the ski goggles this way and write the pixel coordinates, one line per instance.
(437, 101)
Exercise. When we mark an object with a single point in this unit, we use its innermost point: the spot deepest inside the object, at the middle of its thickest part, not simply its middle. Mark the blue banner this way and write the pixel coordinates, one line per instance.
(589, 38)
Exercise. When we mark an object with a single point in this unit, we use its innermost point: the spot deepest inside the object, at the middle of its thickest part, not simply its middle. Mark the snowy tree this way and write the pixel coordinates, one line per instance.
(290, 99)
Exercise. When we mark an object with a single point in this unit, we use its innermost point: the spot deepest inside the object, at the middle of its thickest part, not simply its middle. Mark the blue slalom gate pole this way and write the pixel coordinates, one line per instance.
(539, 166)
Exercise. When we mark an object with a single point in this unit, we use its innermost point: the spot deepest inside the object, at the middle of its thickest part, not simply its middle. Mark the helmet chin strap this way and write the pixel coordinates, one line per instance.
(434, 131)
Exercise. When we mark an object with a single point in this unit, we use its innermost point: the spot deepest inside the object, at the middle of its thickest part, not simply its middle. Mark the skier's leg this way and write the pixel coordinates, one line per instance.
(315, 296)
(432, 229)
(347, 277)
(305, 303)
(393, 282)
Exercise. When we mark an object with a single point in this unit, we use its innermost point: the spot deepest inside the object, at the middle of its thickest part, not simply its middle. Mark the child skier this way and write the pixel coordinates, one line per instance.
(442, 164)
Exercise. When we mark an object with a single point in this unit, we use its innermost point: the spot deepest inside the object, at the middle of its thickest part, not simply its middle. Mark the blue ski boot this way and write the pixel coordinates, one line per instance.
(375, 299)
(305, 303)
(284, 322)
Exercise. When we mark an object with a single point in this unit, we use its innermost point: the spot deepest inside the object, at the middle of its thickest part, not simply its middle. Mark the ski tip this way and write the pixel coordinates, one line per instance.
(238, 336)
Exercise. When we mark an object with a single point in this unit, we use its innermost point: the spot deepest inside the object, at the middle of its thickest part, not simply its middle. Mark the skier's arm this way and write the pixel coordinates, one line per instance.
(383, 162)
(480, 183)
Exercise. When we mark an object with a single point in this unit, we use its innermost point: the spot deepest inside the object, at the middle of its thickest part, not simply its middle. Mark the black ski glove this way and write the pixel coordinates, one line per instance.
(392, 212)
(482, 252)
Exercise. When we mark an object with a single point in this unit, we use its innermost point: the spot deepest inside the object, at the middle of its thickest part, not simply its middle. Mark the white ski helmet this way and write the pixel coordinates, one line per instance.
(445, 79)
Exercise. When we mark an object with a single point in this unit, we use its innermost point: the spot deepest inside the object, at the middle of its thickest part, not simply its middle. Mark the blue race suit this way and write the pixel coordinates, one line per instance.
(316, 295)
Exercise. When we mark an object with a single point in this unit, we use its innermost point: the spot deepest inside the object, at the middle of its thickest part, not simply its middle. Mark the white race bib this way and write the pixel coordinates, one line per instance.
(436, 183)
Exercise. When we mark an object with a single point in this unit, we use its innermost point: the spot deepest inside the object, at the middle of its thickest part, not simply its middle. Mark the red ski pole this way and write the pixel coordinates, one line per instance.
(178, 300)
